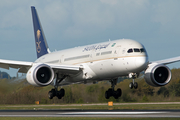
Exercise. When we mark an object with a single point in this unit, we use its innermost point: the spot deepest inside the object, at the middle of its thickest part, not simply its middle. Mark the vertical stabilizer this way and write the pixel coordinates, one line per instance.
(40, 40)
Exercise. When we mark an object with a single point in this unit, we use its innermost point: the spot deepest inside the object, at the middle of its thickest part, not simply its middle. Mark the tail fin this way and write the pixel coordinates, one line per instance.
(40, 40)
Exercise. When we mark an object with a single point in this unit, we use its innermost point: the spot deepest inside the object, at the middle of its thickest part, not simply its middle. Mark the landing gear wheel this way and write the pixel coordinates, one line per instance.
(131, 85)
(135, 85)
(51, 93)
(107, 95)
(59, 96)
(119, 92)
(56, 93)
(116, 96)
(60, 93)
(110, 91)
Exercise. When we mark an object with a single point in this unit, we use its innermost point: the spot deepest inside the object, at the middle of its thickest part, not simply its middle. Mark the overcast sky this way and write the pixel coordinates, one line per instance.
(71, 23)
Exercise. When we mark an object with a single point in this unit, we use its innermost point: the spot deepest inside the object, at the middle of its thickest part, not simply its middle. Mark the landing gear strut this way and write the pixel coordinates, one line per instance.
(133, 84)
(54, 92)
(111, 92)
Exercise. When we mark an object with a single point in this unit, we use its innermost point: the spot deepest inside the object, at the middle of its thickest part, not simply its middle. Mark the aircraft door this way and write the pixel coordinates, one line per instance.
(92, 56)
(117, 51)
(124, 58)
(124, 51)
(62, 59)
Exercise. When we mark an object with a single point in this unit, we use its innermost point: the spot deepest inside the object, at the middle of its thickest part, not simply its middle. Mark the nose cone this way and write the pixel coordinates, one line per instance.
(141, 62)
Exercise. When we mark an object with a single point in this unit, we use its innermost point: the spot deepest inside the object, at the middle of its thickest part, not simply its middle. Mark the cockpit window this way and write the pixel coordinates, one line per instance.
(130, 51)
(136, 50)
(142, 50)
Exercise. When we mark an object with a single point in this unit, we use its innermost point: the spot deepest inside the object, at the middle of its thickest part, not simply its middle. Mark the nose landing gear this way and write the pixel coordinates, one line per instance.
(111, 92)
(133, 84)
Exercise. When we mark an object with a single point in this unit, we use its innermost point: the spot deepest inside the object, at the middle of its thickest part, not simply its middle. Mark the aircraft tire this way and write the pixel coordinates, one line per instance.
(135, 85)
(62, 92)
(131, 85)
(50, 95)
(59, 96)
(107, 95)
(119, 92)
(116, 96)
(110, 90)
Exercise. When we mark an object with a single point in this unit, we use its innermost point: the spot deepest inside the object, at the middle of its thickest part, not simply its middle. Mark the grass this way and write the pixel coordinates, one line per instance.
(130, 106)
(93, 107)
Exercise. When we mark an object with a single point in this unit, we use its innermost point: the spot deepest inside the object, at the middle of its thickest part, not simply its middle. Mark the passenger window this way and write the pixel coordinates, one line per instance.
(130, 51)
(136, 50)
(97, 54)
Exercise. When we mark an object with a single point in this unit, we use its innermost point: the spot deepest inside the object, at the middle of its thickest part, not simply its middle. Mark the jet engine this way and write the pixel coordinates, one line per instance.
(157, 75)
(40, 75)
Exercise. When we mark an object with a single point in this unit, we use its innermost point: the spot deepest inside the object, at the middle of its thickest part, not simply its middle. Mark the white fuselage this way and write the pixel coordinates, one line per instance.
(102, 61)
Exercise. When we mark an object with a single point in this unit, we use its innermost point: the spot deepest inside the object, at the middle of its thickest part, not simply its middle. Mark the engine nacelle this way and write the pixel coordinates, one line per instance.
(157, 75)
(40, 75)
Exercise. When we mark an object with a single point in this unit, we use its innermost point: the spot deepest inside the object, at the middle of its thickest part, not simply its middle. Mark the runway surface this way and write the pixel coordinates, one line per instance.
(90, 113)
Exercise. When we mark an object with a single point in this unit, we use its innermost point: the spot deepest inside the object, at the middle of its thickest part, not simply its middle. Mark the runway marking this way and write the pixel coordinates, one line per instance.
(109, 113)
(129, 114)
(29, 115)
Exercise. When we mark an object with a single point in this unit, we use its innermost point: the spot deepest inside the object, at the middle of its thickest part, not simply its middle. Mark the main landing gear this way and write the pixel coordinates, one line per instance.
(133, 84)
(111, 92)
(54, 92)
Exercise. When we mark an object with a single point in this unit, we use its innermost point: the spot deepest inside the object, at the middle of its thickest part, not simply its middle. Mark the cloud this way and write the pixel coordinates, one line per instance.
(79, 22)
(110, 2)
(166, 13)
(91, 17)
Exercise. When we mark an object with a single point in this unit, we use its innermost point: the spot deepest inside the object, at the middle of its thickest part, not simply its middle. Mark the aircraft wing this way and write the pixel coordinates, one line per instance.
(25, 66)
(168, 61)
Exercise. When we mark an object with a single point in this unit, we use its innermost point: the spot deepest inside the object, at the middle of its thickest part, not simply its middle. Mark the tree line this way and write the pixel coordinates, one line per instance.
(20, 92)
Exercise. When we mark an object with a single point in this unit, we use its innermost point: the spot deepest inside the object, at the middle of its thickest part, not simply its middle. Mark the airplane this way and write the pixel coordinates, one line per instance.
(90, 64)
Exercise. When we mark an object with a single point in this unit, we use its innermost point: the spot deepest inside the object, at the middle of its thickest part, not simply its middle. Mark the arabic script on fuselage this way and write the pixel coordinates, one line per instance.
(96, 47)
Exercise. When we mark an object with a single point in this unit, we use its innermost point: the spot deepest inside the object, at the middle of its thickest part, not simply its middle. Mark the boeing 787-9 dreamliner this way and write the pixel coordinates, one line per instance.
(90, 64)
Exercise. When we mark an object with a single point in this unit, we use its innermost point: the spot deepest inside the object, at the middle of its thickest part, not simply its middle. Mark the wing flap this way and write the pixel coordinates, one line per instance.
(5, 66)
(24, 66)
(66, 69)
